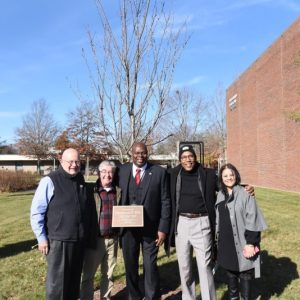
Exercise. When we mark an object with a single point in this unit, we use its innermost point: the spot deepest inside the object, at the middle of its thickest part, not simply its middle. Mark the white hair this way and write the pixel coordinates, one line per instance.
(107, 163)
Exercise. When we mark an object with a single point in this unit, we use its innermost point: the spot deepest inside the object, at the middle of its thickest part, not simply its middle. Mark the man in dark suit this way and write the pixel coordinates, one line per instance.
(144, 184)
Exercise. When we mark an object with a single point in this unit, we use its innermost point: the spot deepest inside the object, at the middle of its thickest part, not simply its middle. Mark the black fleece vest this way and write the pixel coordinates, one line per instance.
(65, 214)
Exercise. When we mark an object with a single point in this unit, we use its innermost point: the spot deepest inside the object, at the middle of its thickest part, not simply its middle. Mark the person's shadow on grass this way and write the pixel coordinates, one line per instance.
(276, 274)
(169, 280)
(16, 248)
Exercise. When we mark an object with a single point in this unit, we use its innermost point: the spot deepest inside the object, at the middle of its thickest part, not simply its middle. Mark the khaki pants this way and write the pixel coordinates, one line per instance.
(104, 255)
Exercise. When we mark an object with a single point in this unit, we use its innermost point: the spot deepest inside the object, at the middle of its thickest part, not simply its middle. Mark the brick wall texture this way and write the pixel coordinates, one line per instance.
(263, 140)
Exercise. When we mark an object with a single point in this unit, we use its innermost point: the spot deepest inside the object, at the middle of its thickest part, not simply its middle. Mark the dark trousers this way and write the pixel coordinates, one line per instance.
(64, 270)
(239, 282)
(132, 241)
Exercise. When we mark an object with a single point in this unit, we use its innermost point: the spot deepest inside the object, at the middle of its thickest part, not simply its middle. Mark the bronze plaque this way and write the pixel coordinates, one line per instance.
(128, 216)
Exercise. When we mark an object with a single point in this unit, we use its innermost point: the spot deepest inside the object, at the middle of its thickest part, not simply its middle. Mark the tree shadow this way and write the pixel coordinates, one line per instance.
(276, 275)
(16, 248)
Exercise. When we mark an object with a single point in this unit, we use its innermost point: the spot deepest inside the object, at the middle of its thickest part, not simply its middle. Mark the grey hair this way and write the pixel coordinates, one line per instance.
(109, 163)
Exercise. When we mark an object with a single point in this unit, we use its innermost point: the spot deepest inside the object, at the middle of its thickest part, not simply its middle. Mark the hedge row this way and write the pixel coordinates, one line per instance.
(11, 181)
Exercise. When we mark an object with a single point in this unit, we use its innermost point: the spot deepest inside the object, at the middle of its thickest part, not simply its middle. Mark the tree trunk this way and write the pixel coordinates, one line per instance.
(132, 129)
(38, 166)
(87, 166)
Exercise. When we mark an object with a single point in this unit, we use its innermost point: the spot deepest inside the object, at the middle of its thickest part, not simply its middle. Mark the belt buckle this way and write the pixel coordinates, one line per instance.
(191, 215)
(195, 215)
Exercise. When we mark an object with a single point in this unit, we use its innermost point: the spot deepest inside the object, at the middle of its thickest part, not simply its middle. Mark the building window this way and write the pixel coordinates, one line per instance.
(232, 102)
(19, 166)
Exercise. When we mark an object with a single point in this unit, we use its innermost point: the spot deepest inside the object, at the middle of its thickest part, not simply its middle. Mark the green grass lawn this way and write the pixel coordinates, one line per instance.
(23, 269)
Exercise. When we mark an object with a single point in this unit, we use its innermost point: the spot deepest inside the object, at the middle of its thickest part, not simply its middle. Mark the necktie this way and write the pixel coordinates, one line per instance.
(138, 176)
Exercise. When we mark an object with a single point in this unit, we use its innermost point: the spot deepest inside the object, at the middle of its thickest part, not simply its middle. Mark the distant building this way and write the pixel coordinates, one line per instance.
(263, 133)
(15, 162)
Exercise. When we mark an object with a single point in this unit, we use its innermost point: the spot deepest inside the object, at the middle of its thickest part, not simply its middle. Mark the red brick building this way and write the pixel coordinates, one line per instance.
(263, 109)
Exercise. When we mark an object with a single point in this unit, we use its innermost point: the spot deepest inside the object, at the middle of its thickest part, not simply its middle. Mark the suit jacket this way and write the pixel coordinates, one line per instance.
(207, 180)
(155, 198)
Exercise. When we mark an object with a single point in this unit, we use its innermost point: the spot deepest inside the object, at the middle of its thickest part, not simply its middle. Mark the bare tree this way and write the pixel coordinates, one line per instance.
(133, 68)
(189, 114)
(4, 148)
(2, 145)
(83, 132)
(187, 120)
(7, 149)
(38, 131)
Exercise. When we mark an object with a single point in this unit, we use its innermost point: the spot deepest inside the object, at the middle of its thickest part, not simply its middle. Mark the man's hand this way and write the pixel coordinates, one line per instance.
(161, 236)
(44, 247)
(250, 189)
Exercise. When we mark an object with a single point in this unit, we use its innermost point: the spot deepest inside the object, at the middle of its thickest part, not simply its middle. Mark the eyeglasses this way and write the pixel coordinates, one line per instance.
(188, 157)
(104, 172)
(71, 162)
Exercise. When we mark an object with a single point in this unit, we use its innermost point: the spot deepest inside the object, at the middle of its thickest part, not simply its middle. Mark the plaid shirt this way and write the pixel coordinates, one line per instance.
(108, 200)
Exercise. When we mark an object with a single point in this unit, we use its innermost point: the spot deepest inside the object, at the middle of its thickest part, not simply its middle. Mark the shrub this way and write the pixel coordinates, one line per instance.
(11, 181)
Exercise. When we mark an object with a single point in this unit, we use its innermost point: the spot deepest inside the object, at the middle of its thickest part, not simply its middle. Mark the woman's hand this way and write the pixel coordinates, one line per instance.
(249, 251)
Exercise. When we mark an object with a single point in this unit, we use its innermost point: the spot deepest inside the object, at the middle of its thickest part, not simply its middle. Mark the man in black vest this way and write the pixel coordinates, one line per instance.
(144, 184)
(59, 216)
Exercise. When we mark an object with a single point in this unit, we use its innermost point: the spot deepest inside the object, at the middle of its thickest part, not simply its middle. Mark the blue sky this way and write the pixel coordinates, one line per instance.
(41, 42)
